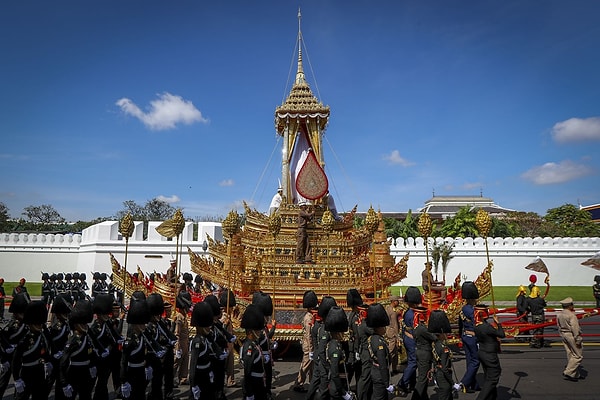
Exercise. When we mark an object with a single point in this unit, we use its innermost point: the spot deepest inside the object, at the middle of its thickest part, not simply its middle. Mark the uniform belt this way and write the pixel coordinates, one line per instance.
(80, 363)
(408, 334)
(136, 365)
(257, 374)
(472, 333)
(205, 366)
(33, 363)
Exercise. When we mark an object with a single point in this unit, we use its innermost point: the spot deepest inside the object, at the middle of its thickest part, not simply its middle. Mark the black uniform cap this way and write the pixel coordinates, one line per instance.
(139, 312)
(215, 306)
(376, 316)
(137, 295)
(183, 300)
(202, 315)
(68, 276)
(253, 318)
(353, 298)
(61, 304)
(198, 279)
(223, 299)
(309, 299)
(265, 303)
(438, 322)
(82, 276)
(103, 304)
(59, 276)
(97, 275)
(82, 313)
(326, 304)
(156, 304)
(19, 303)
(45, 276)
(36, 313)
(597, 278)
(187, 276)
(336, 320)
(469, 291)
(412, 295)
(76, 275)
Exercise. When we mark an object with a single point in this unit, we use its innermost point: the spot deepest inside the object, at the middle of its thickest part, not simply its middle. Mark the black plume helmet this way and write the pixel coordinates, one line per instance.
(82, 313)
(61, 305)
(309, 299)
(326, 304)
(469, 291)
(36, 313)
(137, 295)
(438, 322)
(139, 312)
(82, 276)
(187, 276)
(76, 275)
(103, 304)
(202, 315)
(597, 278)
(198, 279)
(412, 295)
(68, 276)
(45, 276)
(18, 305)
(336, 320)
(264, 301)
(253, 318)
(223, 299)
(156, 304)
(183, 301)
(376, 316)
(353, 298)
(96, 275)
(215, 306)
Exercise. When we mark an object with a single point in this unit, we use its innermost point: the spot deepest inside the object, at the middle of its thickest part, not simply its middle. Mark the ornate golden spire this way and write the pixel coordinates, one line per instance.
(300, 78)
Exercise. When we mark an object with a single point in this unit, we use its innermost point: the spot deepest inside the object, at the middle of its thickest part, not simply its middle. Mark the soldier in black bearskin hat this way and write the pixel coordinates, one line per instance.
(135, 363)
(219, 339)
(203, 357)
(253, 385)
(378, 320)
(162, 364)
(106, 340)
(336, 323)
(78, 364)
(13, 334)
(265, 303)
(46, 289)
(31, 362)
(198, 283)
(442, 356)
(187, 281)
(320, 337)
(488, 337)
(310, 303)
(424, 346)
(412, 297)
(354, 300)
(183, 303)
(59, 336)
(97, 285)
(59, 285)
(466, 330)
(228, 304)
(364, 385)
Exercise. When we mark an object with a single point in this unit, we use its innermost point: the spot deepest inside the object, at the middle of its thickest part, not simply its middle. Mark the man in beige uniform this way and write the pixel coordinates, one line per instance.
(568, 327)
(183, 303)
(310, 302)
(391, 332)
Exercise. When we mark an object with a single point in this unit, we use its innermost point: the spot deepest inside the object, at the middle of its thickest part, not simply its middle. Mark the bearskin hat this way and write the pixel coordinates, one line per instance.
(353, 298)
(139, 312)
(61, 304)
(309, 299)
(103, 276)
(137, 295)
(438, 322)
(187, 277)
(82, 313)
(223, 299)
(53, 277)
(326, 304)
(76, 275)
(202, 315)
(376, 316)
(60, 276)
(97, 275)
(68, 276)
(597, 278)
(336, 320)
(198, 279)
(184, 300)
(215, 306)
(469, 291)
(412, 295)
(156, 304)
(103, 304)
(82, 276)
(18, 305)
(253, 318)
(264, 301)
(45, 276)
(36, 313)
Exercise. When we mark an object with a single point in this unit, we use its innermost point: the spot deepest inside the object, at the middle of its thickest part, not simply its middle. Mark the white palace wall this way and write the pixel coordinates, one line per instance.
(27, 255)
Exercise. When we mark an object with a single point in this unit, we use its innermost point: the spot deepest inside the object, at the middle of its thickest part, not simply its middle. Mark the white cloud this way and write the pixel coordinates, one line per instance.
(577, 130)
(164, 113)
(227, 182)
(170, 200)
(396, 159)
(551, 173)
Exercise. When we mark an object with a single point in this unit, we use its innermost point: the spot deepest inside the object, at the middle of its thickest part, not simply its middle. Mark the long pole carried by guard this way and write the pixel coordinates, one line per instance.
(231, 225)
(484, 225)
(126, 228)
(371, 223)
(425, 227)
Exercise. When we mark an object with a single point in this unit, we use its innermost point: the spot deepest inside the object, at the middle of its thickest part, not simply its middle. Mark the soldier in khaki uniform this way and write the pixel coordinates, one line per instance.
(183, 303)
(310, 302)
(391, 332)
(570, 332)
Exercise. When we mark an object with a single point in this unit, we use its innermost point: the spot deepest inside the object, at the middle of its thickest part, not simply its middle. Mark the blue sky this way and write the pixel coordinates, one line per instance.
(103, 102)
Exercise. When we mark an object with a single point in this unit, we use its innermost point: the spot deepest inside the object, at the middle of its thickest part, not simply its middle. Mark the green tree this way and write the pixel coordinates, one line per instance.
(569, 221)
(523, 224)
(462, 224)
(138, 212)
(158, 210)
(44, 217)
(4, 218)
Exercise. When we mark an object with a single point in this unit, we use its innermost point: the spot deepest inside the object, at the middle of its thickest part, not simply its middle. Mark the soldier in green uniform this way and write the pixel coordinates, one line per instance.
(488, 336)
(442, 356)
(424, 346)
(364, 386)
(354, 300)
(253, 385)
(319, 381)
(265, 342)
(219, 339)
(336, 324)
(58, 335)
(12, 335)
(378, 319)
(31, 365)
(203, 357)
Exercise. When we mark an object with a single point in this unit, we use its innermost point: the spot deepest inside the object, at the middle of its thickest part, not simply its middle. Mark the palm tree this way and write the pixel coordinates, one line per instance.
(446, 255)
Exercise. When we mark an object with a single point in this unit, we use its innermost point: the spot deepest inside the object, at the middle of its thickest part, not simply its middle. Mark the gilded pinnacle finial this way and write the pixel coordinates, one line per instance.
(371, 220)
(425, 225)
(327, 221)
(483, 222)
(275, 224)
(126, 226)
(231, 224)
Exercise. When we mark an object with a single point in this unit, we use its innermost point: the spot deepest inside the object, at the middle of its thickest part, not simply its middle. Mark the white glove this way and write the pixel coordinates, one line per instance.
(126, 390)
(105, 353)
(68, 391)
(148, 373)
(267, 357)
(274, 345)
(357, 355)
(4, 367)
(178, 354)
(456, 386)
(311, 356)
(391, 388)
(211, 377)
(233, 339)
(223, 355)
(196, 392)
(19, 385)
(58, 355)
(250, 397)
(48, 369)
(347, 396)
(161, 353)
(93, 372)
(10, 349)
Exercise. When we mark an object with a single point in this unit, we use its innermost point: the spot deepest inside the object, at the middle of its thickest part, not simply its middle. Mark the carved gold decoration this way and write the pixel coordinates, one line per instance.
(172, 227)
(483, 222)
(327, 221)
(425, 225)
(231, 224)
(126, 226)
